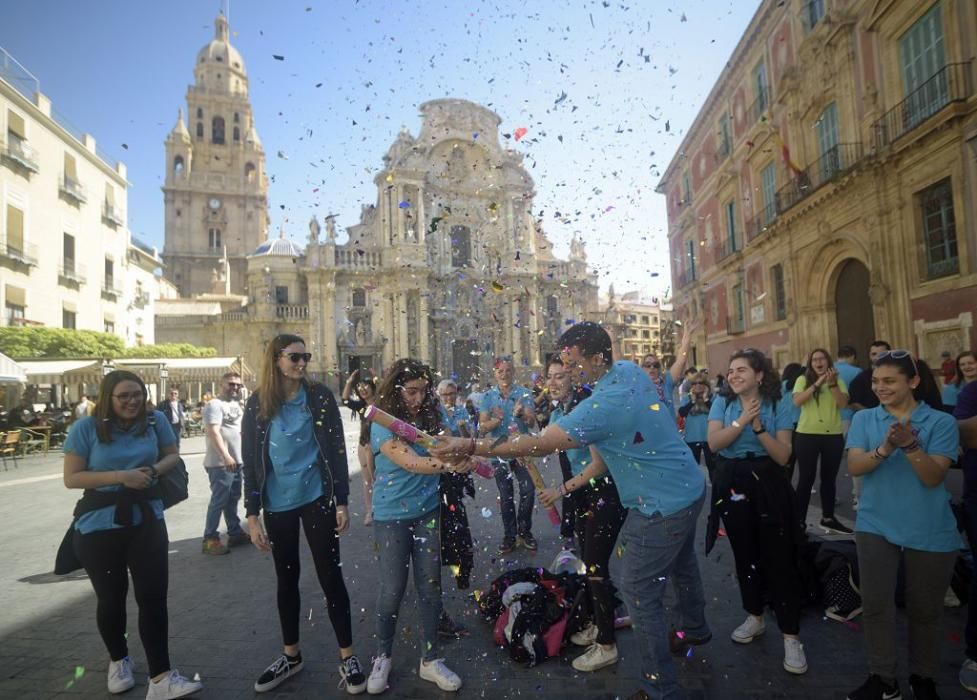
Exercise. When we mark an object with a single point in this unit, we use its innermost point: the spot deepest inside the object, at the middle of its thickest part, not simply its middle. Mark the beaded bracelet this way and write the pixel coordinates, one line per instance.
(911, 447)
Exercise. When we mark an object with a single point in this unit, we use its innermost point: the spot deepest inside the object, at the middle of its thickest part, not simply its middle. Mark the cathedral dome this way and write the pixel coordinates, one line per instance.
(279, 247)
(219, 50)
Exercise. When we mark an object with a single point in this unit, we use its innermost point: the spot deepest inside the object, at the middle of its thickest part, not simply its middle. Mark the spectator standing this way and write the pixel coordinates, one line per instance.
(83, 407)
(860, 392)
(847, 371)
(948, 367)
(176, 414)
(965, 372)
(222, 436)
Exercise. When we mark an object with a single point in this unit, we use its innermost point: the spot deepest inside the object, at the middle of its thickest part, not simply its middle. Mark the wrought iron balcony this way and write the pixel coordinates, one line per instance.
(684, 278)
(141, 299)
(109, 290)
(727, 247)
(735, 326)
(834, 162)
(760, 224)
(71, 272)
(23, 254)
(112, 214)
(73, 189)
(20, 152)
(952, 83)
(759, 107)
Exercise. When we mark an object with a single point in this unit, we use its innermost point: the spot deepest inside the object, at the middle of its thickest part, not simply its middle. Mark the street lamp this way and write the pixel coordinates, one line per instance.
(107, 367)
(164, 374)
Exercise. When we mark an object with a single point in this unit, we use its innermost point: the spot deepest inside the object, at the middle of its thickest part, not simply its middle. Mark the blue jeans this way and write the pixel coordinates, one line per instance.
(655, 549)
(225, 492)
(399, 542)
(521, 524)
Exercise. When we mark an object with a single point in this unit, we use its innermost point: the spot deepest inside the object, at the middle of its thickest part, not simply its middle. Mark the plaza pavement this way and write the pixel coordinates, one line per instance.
(224, 625)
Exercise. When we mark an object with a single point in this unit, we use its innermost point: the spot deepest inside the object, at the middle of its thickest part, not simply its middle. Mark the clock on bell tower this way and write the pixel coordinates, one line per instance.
(216, 191)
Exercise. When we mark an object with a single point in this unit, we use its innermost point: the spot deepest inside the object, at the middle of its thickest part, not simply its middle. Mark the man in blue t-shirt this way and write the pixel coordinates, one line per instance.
(505, 409)
(630, 426)
(847, 370)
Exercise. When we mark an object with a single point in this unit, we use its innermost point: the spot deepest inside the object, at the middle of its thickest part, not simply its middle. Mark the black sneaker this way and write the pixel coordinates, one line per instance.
(449, 629)
(680, 643)
(528, 541)
(923, 688)
(876, 689)
(834, 525)
(276, 674)
(351, 676)
(506, 546)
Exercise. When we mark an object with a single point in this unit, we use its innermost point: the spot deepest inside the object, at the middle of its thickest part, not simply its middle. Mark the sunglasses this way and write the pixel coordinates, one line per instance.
(297, 357)
(652, 365)
(897, 355)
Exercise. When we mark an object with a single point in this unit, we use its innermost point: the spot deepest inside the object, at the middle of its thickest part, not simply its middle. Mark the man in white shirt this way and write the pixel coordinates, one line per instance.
(175, 414)
(222, 417)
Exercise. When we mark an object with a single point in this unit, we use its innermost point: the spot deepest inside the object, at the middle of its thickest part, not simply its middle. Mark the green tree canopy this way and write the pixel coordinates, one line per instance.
(55, 343)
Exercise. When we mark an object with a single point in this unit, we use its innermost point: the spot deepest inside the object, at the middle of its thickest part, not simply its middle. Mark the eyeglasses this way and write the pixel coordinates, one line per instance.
(128, 397)
(897, 355)
(296, 357)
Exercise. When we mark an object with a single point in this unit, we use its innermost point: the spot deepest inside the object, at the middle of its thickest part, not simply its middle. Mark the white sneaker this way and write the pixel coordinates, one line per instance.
(436, 672)
(794, 659)
(173, 685)
(585, 637)
(596, 657)
(120, 675)
(751, 628)
(377, 682)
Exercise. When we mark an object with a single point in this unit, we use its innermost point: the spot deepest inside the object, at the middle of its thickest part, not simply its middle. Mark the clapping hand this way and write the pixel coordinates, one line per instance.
(900, 435)
(750, 412)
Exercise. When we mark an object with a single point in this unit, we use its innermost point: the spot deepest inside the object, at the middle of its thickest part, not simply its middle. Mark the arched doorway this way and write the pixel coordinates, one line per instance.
(854, 319)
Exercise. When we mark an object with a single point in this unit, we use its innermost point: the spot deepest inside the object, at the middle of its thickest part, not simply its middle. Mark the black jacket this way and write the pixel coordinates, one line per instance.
(167, 410)
(327, 429)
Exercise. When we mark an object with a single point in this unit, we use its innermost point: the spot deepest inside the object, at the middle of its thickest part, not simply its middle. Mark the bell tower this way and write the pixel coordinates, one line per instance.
(216, 191)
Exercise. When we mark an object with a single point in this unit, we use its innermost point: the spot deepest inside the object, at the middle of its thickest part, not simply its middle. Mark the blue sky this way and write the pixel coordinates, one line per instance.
(353, 74)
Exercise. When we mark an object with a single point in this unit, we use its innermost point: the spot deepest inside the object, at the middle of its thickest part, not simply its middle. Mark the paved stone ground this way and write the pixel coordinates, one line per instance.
(224, 625)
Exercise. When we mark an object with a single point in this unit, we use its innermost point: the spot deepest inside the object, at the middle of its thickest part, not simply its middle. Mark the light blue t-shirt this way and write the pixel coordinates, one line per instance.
(666, 391)
(847, 373)
(951, 392)
(294, 479)
(787, 394)
(126, 451)
(637, 437)
(696, 424)
(492, 399)
(894, 503)
(773, 420)
(397, 493)
(453, 418)
(579, 457)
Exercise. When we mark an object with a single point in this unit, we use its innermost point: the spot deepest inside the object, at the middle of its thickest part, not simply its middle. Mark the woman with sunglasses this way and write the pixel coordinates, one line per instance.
(750, 430)
(116, 455)
(665, 381)
(406, 523)
(966, 372)
(903, 449)
(694, 408)
(821, 394)
(598, 519)
(295, 470)
(366, 389)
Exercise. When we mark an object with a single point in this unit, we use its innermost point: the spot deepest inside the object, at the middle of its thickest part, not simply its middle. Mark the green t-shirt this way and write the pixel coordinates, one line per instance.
(820, 415)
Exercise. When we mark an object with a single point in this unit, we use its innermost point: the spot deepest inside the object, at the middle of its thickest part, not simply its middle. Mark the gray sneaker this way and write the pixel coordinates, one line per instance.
(968, 675)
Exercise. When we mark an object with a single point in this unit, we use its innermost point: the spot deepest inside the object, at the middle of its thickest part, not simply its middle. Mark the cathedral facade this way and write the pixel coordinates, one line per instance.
(448, 265)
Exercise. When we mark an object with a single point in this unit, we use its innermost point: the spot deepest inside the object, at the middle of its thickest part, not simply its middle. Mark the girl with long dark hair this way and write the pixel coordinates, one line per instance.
(406, 521)
(750, 429)
(788, 378)
(598, 519)
(821, 394)
(365, 387)
(295, 470)
(116, 455)
(903, 449)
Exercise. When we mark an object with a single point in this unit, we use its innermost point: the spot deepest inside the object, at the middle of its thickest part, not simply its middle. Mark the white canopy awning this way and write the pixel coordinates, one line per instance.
(62, 371)
(11, 372)
(187, 369)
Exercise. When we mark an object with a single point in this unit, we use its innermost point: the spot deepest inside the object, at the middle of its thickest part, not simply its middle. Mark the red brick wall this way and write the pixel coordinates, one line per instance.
(947, 305)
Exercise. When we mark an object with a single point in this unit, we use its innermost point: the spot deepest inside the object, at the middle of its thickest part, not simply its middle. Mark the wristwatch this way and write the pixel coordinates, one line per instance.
(153, 471)
(761, 431)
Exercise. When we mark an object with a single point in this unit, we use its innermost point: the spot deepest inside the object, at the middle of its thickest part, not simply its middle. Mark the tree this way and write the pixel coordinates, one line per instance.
(59, 343)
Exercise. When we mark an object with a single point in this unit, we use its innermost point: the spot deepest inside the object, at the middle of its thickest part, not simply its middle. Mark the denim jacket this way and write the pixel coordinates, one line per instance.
(327, 429)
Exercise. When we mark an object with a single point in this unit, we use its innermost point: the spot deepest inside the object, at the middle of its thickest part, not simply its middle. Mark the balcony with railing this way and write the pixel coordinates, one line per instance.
(141, 299)
(21, 253)
(113, 214)
(16, 150)
(72, 189)
(735, 325)
(727, 248)
(952, 83)
(366, 259)
(835, 162)
(292, 312)
(759, 107)
(684, 278)
(109, 289)
(761, 223)
(71, 273)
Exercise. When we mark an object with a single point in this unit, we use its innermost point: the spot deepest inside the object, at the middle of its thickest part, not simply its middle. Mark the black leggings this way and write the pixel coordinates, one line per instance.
(109, 556)
(697, 449)
(318, 519)
(809, 448)
(598, 521)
